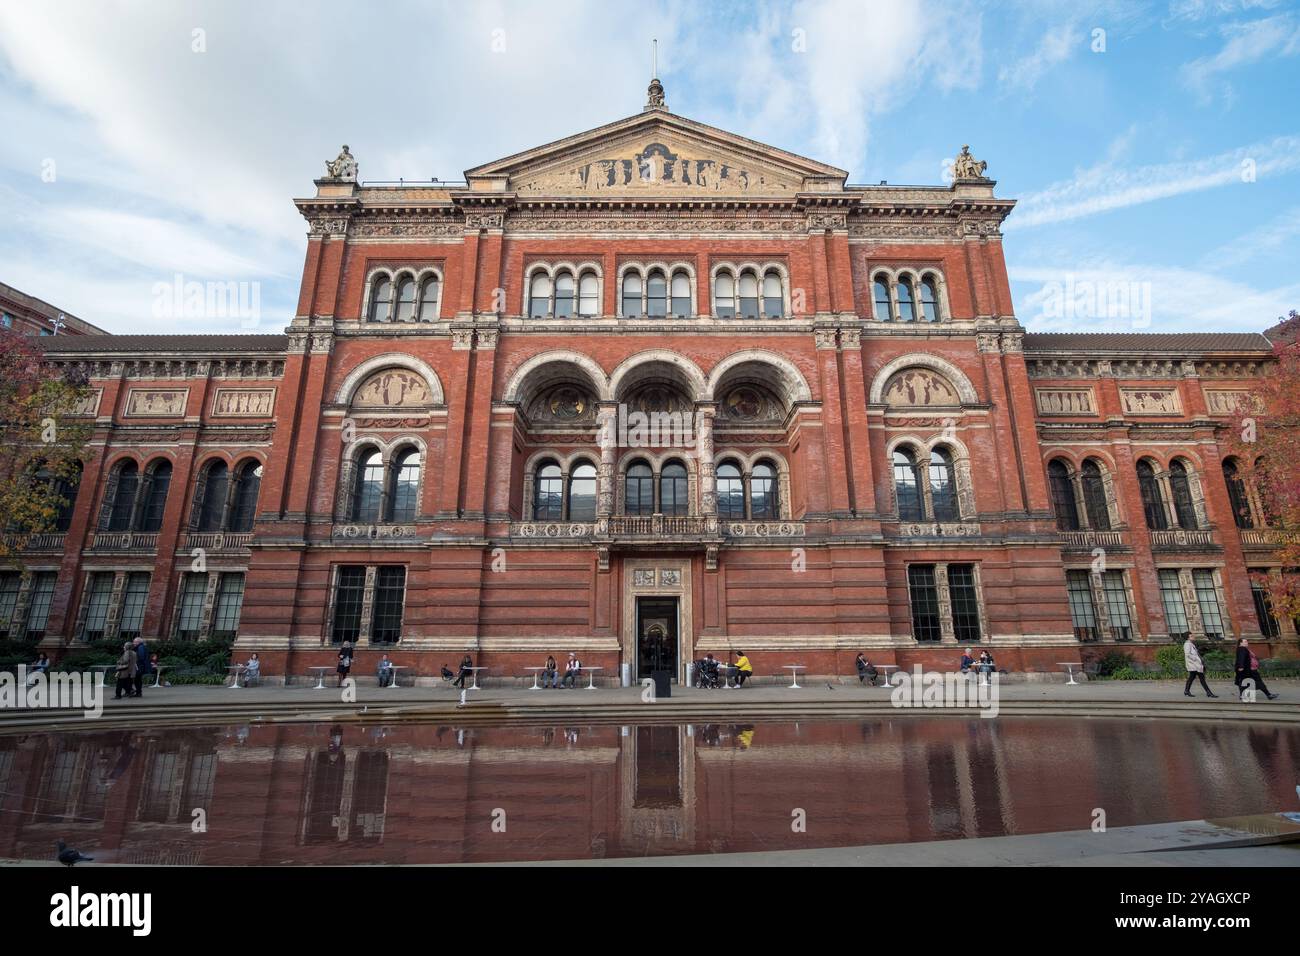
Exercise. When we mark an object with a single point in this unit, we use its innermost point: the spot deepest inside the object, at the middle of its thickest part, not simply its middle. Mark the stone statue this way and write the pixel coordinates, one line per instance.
(344, 168)
(966, 166)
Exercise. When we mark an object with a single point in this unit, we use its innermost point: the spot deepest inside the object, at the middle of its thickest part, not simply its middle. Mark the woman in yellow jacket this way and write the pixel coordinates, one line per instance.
(744, 669)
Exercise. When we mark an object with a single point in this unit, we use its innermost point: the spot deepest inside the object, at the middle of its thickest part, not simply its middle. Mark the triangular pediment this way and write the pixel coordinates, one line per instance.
(656, 154)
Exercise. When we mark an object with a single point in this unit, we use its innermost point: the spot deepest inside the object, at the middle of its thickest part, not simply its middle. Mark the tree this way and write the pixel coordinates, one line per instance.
(41, 441)
(1268, 445)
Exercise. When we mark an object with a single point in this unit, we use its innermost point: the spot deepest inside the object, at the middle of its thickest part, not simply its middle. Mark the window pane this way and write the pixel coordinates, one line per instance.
(943, 486)
(247, 488)
(349, 592)
(1116, 594)
(1082, 613)
(762, 493)
(1268, 623)
(924, 596)
(1067, 511)
(582, 493)
(564, 295)
(160, 479)
(1180, 488)
(773, 300)
(9, 584)
(656, 295)
(429, 300)
(748, 295)
(133, 602)
(965, 602)
(724, 296)
(194, 588)
(539, 296)
(217, 482)
(38, 605)
(731, 492)
(1207, 597)
(929, 300)
(639, 490)
(229, 604)
(406, 299)
(1237, 495)
(906, 310)
(1094, 497)
(681, 294)
(128, 482)
(369, 493)
(379, 302)
(881, 303)
(406, 487)
(1153, 504)
(1171, 596)
(589, 295)
(390, 594)
(907, 488)
(631, 295)
(99, 594)
(674, 499)
(548, 493)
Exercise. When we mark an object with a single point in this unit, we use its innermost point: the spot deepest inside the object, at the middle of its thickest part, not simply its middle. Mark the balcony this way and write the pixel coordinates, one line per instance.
(1087, 540)
(656, 528)
(1265, 539)
(1181, 539)
(30, 543)
(218, 541)
(130, 541)
(661, 526)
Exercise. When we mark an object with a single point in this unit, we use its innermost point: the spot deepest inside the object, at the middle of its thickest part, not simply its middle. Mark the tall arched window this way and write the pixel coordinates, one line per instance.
(429, 299)
(639, 490)
(883, 310)
(674, 494)
(406, 486)
(1237, 494)
(748, 295)
(65, 491)
(763, 492)
(157, 482)
(773, 300)
(564, 295)
(906, 306)
(724, 296)
(539, 296)
(1153, 502)
(381, 299)
(681, 294)
(548, 493)
(589, 294)
(123, 510)
(1062, 488)
(632, 295)
(907, 486)
(1094, 496)
(243, 506)
(731, 492)
(656, 292)
(1181, 490)
(368, 494)
(943, 485)
(405, 299)
(929, 299)
(216, 486)
(582, 492)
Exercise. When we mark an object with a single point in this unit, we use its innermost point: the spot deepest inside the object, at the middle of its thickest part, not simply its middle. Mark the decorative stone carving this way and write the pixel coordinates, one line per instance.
(987, 342)
(379, 532)
(1065, 401)
(1226, 401)
(392, 388)
(981, 228)
(750, 403)
(670, 577)
(343, 168)
(643, 577)
(552, 530)
(765, 529)
(243, 402)
(485, 220)
(918, 387)
(895, 229)
(485, 340)
(462, 339)
(1150, 401)
(659, 221)
(156, 403)
(939, 530)
(821, 220)
(88, 404)
(384, 228)
(327, 226)
(967, 167)
(825, 338)
(850, 338)
(564, 404)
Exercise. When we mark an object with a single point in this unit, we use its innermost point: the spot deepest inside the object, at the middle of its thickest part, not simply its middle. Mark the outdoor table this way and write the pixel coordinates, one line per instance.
(1069, 668)
(728, 673)
(591, 676)
(235, 670)
(395, 668)
(536, 671)
(474, 678)
(321, 671)
(794, 672)
(157, 674)
(886, 668)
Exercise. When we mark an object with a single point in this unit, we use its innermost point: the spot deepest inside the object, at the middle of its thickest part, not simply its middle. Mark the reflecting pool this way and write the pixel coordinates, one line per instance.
(426, 793)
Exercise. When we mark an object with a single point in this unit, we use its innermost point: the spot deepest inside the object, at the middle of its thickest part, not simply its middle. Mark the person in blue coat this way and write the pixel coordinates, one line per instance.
(143, 665)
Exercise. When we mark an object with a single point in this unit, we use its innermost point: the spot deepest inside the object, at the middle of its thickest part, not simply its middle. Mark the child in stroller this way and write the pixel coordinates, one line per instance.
(709, 673)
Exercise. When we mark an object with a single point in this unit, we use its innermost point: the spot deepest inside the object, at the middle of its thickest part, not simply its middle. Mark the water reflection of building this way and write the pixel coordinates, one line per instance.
(426, 794)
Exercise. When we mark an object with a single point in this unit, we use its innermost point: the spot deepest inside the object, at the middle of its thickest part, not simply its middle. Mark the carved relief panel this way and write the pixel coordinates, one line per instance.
(156, 402)
(919, 386)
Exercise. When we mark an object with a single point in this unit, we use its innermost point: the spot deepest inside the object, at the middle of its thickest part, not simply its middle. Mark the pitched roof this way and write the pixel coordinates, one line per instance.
(1146, 342)
(164, 343)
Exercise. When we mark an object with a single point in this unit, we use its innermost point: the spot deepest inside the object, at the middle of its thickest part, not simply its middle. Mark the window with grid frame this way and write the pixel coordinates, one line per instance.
(229, 604)
(99, 594)
(134, 597)
(1116, 595)
(38, 604)
(924, 593)
(1207, 597)
(1171, 595)
(965, 602)
(390, 596)
(1268, 622)
(349, 593)
(189, 622)
(9, 583)
(1083, 615)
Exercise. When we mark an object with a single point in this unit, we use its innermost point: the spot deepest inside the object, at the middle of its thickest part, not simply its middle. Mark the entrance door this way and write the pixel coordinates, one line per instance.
(656, 635)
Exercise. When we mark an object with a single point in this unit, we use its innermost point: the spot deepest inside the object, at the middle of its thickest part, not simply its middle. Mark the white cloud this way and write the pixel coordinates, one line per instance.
(1246, 43)
(1056, 46)
(1278, 234)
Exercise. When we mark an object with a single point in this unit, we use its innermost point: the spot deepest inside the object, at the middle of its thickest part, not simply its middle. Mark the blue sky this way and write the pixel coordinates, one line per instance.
(143, 141)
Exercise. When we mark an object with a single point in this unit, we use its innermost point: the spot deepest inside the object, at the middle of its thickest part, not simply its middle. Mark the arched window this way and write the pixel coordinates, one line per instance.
(65, 493)
(639, 490)
(929, 299)
(748, 295)
(656, 291)
(1062, 488)
(243, 508)
(884, 313)
(589, 294)
(1153, 502)
(429, 299)
(731, 492)
(907, 486)
(157, 482)
(406, 486)
(582, 492)
(128, 483)
(724, 296)
(674, 494)
(564, 295)
(773, 300)
(906, 306)
(681, 294)
(539, 296)
(1237, 495)
(631, 295)
(1094, 496)
(548, 493)
(943, 486)
(368, 493)
(215, 487)
(381, 299)
(1181, 490)
(762, 493)
(405, 299)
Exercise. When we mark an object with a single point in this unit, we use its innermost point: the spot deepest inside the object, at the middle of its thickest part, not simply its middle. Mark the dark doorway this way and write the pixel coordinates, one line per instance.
(656, 636)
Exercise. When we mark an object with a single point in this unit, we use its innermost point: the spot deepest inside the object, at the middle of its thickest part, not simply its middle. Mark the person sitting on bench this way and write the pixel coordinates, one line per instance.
(252, 671)
(967, 662)
(986, 665)
(385, 671)
(572, 671)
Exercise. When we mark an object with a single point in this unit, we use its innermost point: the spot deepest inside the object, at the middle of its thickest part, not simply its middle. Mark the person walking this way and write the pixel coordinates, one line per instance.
(1248, 669)
(1195, 668)
(143, 666)
(345, 662)
(126, 668)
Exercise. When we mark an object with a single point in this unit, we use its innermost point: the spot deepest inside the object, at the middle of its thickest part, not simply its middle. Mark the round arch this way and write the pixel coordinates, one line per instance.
(965, 390)
(390, 360)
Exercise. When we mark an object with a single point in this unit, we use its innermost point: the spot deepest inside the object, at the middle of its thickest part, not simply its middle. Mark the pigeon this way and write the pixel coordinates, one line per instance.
(829, 687)
(71, 857)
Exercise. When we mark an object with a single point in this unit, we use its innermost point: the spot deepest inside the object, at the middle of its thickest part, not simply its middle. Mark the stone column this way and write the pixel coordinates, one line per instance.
(704, 415)
(607, 439)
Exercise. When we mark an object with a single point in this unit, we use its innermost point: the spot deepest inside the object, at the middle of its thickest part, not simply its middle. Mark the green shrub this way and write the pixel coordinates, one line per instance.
(1132, 673)
(1113, 661)
(193, 677)
(1171, 660)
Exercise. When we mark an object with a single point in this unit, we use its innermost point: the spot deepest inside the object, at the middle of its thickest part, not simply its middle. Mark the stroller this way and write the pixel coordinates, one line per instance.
(706, 674)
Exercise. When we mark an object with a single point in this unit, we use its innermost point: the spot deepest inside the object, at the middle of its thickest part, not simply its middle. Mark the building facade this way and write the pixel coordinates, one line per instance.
(649, 392)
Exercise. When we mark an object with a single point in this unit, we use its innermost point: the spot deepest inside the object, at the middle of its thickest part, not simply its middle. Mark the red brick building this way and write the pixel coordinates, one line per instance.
(645, 393)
